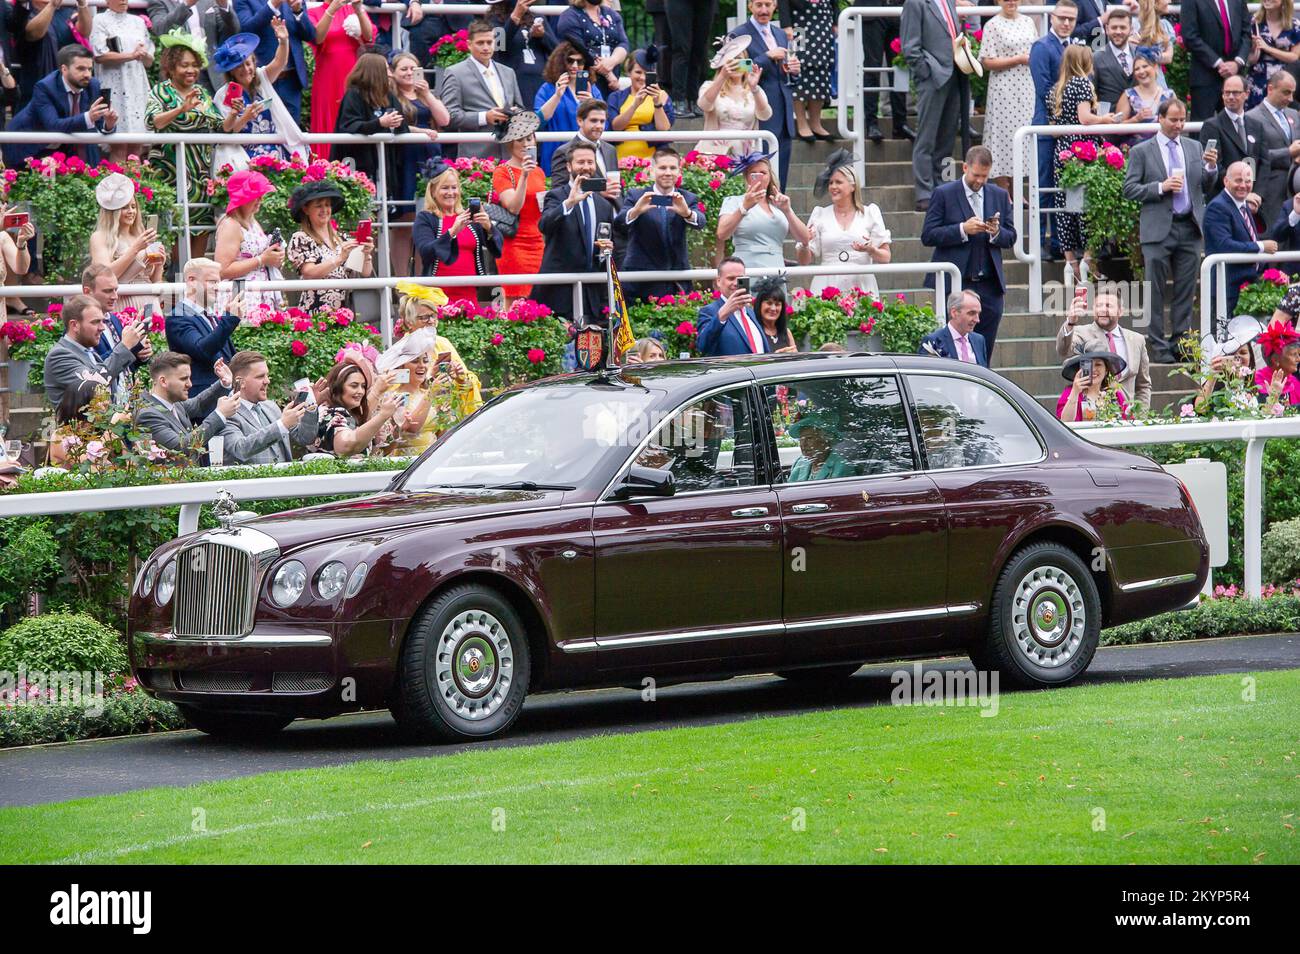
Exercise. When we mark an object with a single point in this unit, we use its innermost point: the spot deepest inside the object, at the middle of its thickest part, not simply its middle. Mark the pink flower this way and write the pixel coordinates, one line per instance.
(878, 304)
(55, 308)
(536, 355)
(1187, 411)
(1274, 275)
(1064, 155)
(302, 324)
(498, 338)
(896, 46)
(722, 162)
(686, 328)
(96, 451)
(1115, 159)
(298, 348)
(1085, 150)
(715, 185)
(830, 293)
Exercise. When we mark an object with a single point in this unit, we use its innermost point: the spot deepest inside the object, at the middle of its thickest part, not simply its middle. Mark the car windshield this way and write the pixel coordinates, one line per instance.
(538, 438)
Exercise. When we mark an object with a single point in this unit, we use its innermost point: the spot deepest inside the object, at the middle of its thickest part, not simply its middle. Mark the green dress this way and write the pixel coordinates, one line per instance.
(835, 466)
(198, 159)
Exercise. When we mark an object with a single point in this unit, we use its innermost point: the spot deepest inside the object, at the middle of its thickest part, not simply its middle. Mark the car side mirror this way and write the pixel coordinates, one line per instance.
(645, 482)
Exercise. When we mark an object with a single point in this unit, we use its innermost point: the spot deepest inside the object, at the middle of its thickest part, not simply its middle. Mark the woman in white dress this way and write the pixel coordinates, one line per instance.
(732, 100)
(1004, 52)
(124, 69)
(846, 231)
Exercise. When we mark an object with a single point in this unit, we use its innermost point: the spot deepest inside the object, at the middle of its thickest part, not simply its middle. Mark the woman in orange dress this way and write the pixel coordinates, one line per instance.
(520, 187)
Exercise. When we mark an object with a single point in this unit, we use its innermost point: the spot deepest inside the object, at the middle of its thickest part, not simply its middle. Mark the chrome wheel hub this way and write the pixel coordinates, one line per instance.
(1048, 618)
(474, 664)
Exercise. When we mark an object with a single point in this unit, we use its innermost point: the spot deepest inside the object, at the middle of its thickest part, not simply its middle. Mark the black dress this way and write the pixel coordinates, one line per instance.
(356, 115)
(814, 24)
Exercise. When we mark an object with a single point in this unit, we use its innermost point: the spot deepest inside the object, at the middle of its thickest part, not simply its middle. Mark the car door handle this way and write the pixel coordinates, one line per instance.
(811, 508)
(750, 512)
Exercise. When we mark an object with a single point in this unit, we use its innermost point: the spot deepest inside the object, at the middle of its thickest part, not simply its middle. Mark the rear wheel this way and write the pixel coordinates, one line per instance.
(1046, 618)
(464, 669)
(243, 726)
(819, 675)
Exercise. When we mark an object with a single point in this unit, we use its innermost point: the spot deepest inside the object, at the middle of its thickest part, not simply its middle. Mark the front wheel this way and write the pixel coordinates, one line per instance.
(1045, 623)
(464, 669)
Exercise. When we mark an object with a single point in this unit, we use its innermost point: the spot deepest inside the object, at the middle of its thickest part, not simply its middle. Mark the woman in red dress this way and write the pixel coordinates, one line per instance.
(520, 188)
(452, 241)
(339, 37)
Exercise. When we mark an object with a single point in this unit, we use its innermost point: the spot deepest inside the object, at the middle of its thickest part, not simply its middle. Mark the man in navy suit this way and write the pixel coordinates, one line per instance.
(770, 51)
(1045, 66)
(1286, 230)
(958, 339)
(193, 329)
(66, 101)
(727, 325)
(100, 283)
(255, 17)
(969, 224)
(570, 224)
(1229, 226)
(656, 220)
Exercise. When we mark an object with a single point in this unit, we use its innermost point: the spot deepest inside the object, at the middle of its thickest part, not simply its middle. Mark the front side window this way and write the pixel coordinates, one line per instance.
(828, 428)
(966, 423)
(707, 445)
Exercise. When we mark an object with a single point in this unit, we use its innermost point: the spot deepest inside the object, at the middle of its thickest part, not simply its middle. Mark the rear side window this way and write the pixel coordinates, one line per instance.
(966, 423)
(828, 428)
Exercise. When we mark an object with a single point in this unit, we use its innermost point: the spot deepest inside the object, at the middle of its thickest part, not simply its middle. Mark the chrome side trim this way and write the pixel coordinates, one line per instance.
(258, 640)
(1154, 584)
(769, 629)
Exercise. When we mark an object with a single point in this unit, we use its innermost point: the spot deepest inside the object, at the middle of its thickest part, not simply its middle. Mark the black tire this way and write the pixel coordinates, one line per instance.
(1045, 619)
(242, 726)
(438, 701)
(819, 675)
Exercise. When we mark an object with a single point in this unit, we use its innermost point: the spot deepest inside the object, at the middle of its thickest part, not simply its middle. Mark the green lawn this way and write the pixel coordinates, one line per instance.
(1180, 770)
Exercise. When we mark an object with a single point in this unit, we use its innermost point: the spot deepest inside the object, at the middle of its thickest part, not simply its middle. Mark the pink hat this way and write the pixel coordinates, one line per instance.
(245, 187)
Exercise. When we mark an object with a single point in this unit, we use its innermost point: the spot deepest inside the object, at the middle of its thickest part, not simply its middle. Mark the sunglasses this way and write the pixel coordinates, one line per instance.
(577, 61)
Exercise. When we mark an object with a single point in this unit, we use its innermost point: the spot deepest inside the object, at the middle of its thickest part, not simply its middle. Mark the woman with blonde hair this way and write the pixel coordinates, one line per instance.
(449, 239)
(1073, 102)
(1274, 37)
(1156, 33)
(121, 241)
(758, 221)
(846, 231)
(732, 99)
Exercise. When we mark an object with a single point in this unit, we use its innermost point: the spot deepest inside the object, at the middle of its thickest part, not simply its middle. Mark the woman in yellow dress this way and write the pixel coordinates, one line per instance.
(440, 389)
(639, 106)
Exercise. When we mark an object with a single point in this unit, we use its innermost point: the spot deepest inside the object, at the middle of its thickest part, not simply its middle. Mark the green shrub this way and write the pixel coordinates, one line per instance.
(62, 642)
(29, 562)
(1211, 619)
(1281, 552)
(124, 713)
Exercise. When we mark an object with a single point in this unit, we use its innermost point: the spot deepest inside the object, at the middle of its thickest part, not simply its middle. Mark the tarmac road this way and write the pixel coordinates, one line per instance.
(56, 773)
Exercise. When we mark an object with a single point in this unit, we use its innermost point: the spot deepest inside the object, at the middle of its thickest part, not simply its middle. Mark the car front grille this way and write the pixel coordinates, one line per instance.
(215, 681)
(300, 681)
(214, 591)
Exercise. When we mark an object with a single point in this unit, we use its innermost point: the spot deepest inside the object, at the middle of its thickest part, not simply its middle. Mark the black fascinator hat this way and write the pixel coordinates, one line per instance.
(839, 159)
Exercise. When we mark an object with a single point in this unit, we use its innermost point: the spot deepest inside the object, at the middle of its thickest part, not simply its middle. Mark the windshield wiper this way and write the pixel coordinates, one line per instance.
(529, 485)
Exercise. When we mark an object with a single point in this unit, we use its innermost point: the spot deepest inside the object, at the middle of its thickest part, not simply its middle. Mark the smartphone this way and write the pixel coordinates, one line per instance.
(15, 220)
(114, 45)
(442, 360)
(595, 184)
(151, 223)
(531, 152)
(742, 284)
(604, 231)
(237, 287)
(1212, 144)
(582, 82)
(364, 229)
(745, 65)
(663, 201)
(402, 376)
(234, 93)
(106, 94)
(652, 77)
(277, 237)
(475, 206)
(300, 397)
(147, 319)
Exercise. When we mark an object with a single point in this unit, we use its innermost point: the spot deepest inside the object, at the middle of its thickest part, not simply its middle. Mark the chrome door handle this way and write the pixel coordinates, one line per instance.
(750, 512)
(811, 508)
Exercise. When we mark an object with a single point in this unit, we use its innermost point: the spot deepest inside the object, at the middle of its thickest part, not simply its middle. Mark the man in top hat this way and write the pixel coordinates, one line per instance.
(479, 92)
(769, 49)
(205, 24)
(257, 17)
(68, 100)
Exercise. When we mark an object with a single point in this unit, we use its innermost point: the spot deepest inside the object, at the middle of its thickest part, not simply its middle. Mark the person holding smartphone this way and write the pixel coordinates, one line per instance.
(317, 250)
(561, 96)
(451, 238)
(657, 219)
(520, 187)
(644, 104)
(125, 242)
(370, 107)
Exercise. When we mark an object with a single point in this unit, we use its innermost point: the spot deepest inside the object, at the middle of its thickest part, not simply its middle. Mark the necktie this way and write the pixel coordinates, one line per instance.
(1122, 56)
(749, 332)
(1110, 341)
(977, 204)
(1250, 224)
(964, 349)
(768, 41)
(586, 227)
(1227, 29)
(494, 87)
(74, 103)
(1182, 204)
(1283, 120)
(947, 18)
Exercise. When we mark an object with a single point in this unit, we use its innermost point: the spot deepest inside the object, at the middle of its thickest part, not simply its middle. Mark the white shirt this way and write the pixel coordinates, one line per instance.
(957, 340)
(1121, 346)
(600, 159)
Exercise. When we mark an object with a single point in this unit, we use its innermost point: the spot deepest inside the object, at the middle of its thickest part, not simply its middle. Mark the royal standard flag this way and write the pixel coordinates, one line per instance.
(623, 337)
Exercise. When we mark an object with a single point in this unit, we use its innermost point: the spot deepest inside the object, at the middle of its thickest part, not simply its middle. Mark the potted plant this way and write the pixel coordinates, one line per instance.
(902, 75)
(1110, 220)
(899, 324)
(1261, 298)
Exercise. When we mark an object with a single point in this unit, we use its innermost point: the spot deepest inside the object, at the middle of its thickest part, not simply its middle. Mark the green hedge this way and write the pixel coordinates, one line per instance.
(1211, 619)
(125, 712)
(62, 642)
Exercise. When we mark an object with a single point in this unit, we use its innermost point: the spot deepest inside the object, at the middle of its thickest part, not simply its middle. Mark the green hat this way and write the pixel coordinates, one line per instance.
(182, 37)
(821, 419)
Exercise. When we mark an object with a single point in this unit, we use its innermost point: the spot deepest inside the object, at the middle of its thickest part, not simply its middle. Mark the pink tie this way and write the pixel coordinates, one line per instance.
(1250, 225)
(964, 348)
(1227, 29)
(1110, 341)
(947, 17)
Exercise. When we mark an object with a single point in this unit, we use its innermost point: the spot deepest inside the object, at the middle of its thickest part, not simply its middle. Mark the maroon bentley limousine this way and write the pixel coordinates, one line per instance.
(796, 514)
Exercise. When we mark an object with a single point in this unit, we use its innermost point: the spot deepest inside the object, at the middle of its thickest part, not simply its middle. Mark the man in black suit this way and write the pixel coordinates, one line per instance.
(1215, 53)
(1239, 136)
(969, 223)
(656, 220)
(570, 224)
(1112, 65)
(877, 33)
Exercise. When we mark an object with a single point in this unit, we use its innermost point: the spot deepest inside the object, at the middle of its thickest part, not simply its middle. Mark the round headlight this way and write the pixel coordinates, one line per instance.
(330, 580)
(147, 578)
(356, 579)
(166, 583)
(290, 580)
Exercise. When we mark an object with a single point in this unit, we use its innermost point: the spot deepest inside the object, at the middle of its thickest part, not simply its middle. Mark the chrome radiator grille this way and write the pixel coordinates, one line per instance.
(215, 591)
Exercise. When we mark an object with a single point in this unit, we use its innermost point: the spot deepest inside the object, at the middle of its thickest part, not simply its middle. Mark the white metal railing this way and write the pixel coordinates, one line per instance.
(1217, 263)
(1029, 236)
(1254, 433)
(192, 495)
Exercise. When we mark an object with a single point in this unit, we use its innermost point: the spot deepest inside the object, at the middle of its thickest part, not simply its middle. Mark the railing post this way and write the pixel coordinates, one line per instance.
(183, 197)
(1253, 504)
(577, 303)
(1035, 227)
(385, 299)
(1221, 296)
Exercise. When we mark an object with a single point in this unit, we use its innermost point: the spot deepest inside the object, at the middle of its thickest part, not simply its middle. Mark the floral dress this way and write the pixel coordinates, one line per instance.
(1137, 104)
(164, 97)
(740, 112)
(1266, 66)
(128, 81)
(261, 124)
(305, 250)
(1069, 225)
(1011, 94)
(254, 242)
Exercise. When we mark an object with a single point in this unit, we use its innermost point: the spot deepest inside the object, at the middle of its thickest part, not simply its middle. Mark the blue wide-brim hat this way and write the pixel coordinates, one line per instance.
(234, 51)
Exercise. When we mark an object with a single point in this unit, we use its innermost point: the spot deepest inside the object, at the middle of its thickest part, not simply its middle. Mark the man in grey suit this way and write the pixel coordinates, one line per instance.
(928, 28)
(1169, 175)
(1281, 128)
(259, 432)
(73, 358)
(212, 21)
(478, 92)
(1112, 65)
(166, 414)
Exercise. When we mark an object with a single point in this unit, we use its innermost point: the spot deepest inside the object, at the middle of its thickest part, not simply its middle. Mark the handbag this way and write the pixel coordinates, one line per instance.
(506, 222)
